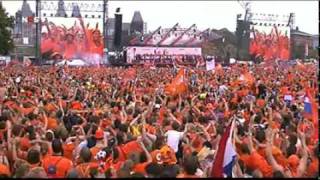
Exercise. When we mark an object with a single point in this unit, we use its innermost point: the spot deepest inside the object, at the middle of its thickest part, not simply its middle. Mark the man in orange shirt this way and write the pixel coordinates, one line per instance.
(56, 165)
(85, 165)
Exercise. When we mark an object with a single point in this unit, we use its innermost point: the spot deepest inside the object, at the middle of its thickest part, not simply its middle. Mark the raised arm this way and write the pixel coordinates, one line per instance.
(303, 161)
(268, 150)
(149, 158)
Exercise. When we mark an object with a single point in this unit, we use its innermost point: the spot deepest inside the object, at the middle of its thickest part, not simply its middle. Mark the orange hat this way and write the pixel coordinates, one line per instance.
(156, 157)
(99, 134)
(293, 161)
(168, 156)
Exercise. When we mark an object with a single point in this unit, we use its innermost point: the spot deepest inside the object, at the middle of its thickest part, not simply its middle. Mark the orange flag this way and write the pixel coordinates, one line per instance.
(248, 78)
(178, 84)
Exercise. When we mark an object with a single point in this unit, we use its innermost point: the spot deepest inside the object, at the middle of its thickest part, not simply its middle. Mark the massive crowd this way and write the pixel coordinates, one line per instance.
(116, 122)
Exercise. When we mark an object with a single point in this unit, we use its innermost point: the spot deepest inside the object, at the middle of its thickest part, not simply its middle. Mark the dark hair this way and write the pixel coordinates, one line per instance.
(190, 164)
(278, 174)
(153, 169)
(137, 175)
(170, 171)
(245, 149)
(291, 150)
(49, 136)
(85, 154)
(123, 128)
(293, 139)
(33, 156)
(143, 157)
(120, 138)
(207, 144)
(175, 126)
(203, 119)
(115, 153)
(57, 146)
(117, 123)
(260, 135)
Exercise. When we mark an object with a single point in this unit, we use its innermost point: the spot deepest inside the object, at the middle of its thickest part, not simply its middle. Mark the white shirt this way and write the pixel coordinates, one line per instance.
(173, 138)
(222, 89)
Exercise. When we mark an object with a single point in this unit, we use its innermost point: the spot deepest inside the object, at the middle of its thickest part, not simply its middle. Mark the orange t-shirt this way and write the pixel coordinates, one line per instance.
(76, 105)
(130, 147)
(63, 165)
(140, 168)
(4, 170)
(257, 161)
(84, 169)
(52, 123)
(94, 151)
(67, 150)
(313, 167)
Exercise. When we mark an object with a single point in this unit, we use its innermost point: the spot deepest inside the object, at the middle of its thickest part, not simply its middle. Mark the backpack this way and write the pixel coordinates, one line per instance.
(52, 169)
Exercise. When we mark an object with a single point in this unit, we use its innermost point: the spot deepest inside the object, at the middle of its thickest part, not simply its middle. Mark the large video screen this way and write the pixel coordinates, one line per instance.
(270, 42)
(73, 37)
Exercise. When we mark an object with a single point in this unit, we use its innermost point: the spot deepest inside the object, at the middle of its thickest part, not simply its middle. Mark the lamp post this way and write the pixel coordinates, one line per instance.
(38, 28)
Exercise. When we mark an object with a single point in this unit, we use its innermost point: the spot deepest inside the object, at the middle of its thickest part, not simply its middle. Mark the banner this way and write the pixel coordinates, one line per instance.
(154, 53)
(210, 64)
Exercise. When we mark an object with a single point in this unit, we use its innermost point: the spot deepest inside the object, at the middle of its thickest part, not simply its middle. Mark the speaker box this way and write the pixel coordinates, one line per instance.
(117, 30)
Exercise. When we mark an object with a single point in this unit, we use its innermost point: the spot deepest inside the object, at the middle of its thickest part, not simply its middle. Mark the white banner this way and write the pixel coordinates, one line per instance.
(210, 65)
(133, 51)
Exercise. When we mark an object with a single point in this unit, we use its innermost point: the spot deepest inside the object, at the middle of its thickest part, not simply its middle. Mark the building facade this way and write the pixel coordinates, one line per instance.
(24, 33)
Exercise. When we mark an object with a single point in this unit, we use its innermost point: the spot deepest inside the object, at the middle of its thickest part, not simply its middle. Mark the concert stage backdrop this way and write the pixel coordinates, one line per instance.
(270, 41)
(72, 36)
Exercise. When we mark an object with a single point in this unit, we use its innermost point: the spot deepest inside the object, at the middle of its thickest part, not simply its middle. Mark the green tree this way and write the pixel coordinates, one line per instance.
(6, 24)
(298, 51)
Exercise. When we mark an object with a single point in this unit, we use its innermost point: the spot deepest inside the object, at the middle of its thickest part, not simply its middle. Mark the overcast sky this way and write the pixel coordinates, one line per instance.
(205, 14)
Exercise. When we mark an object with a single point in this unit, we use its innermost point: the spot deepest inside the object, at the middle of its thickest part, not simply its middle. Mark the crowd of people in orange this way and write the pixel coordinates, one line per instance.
(63, 122)
(77, 42)
(274, 45)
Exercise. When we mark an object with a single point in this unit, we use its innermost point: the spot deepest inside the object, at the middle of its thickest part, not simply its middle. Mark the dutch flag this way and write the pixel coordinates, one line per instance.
(310, 107)
(226, 154)
(307, 105)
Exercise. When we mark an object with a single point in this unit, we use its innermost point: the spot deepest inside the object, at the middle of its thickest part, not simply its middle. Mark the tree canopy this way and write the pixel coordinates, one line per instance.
(6, 24)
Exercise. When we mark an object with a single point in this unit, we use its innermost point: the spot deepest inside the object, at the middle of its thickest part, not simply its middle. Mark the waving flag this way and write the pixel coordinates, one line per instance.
(178, 85)
(310, 107)
(226, 154)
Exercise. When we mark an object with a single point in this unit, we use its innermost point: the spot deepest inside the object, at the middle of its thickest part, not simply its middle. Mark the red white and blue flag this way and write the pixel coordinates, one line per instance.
(226, 154)
(310, 107)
